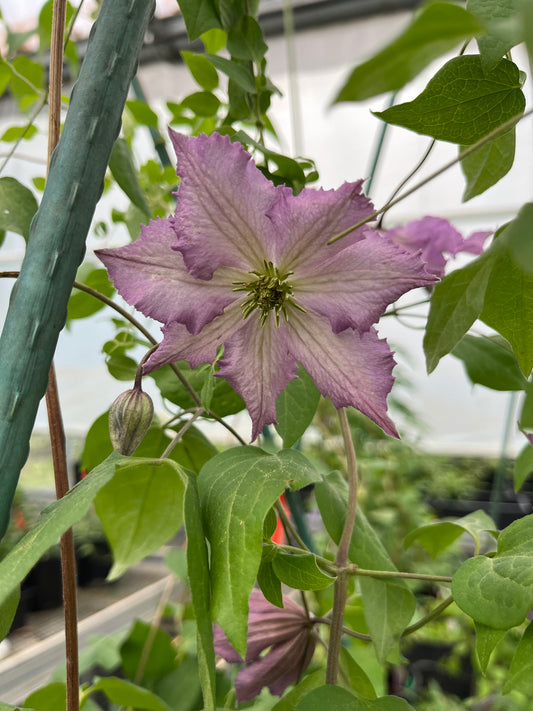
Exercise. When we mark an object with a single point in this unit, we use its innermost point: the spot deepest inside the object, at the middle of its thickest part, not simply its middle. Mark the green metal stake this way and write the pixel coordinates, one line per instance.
(56, 245)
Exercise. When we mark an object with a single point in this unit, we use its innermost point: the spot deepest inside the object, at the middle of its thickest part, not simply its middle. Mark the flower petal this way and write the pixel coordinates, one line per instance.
(179, 344)
(304, 223)
(474, 243)
(353, 287)
(221, 205)
(278, 669)
(351, 368)
(151, 276)
(258, 365)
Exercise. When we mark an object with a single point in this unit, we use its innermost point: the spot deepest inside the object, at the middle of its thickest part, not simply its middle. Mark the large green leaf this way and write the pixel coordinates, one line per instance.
(388, 604)
(290, 699)
(339, 699)
(508, 306)
(54, 521)
(456, 303)
(437, 537)
(520, 677)
(202, 70)
(52, 697)
(199, 581)
(436, 30)
(517, 236)
(141, 508)
(126, 694)
(486, 166)
(151, 648)
(493, 13)
(237, 489)
(123, 169)
(199, 16)
(523, 466)
(17, 207)
(462, 102)
(7, 612)
(301, 571)
(490, 361)
(498, 591)
(238, 71)
(486, 640)
(296, 407)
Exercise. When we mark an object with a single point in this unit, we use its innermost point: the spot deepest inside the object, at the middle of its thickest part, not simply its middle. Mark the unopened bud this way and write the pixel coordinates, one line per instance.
(130, 416)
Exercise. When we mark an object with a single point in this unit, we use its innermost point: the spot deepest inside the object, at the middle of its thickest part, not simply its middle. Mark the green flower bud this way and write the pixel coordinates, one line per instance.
(130, 416)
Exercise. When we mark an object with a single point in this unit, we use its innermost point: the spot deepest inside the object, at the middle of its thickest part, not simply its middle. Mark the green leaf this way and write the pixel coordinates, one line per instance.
(436, 30)
(388, 604)
(490, 361)
(523, 466)
(236, 70)
(193, 450)
(490, 12)
(486, 166)
(296, 407)
(508, 306)
(224, 401)
(52, 697)
(202, 70)
(526, 415)
(486, 640)
(53, 522)
(124, 693)
(200, 584)
(335, 697)
(301, 571)
(462, 102)
(82, 305)
(7, 612)
(142, 113)
(290, 699)
(517, 236)
(437, 537)
(25, 80)
(203, 103)
(498, 591)
(16, 133)
(245, 40)
(158, 659)
(237, 489)
(123, 170)
(141, 508)
(456, 303)
(520, 676)
(199, 16)
(269, 582)
(214, 40)
(358, 681)
(8, 707)
(17, 207)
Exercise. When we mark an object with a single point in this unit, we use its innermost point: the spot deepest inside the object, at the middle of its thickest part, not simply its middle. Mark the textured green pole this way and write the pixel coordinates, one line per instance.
(56, 245)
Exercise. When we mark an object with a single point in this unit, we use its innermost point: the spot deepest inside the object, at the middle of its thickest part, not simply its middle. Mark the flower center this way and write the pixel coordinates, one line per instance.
(269, 291)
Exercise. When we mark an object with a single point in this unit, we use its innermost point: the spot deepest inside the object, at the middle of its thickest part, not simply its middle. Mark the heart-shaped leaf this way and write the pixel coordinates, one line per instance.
(498, 591)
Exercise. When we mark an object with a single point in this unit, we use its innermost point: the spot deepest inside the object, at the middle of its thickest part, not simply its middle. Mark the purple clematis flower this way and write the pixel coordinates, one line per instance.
(246, 264)
(287, 634)
(435, 236)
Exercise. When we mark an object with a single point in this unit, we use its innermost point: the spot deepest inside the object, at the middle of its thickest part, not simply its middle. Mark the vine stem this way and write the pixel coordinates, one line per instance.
(340, 589)
(496, 133)
(55, 419)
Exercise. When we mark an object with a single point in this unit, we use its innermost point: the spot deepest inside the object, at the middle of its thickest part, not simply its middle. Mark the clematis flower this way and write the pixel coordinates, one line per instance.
(435, 237)
(246, 264)
(287, 634)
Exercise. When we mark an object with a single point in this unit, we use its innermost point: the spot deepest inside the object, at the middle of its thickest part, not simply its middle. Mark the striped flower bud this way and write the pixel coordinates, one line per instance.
(130, 416)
